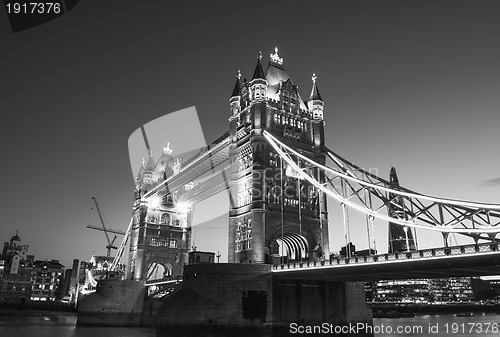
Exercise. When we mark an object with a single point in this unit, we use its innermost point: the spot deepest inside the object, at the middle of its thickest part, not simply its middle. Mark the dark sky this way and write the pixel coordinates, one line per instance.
(414, 84)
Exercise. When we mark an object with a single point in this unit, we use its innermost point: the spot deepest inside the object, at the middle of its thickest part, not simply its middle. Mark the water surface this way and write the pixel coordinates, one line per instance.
(484, 325)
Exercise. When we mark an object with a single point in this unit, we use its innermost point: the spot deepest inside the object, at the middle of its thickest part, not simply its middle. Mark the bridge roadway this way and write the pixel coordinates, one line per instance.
(470, 260)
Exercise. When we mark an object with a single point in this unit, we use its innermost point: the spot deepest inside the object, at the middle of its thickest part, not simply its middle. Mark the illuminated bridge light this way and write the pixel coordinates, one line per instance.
(485, 247)
(428, 253)
(470, 249)
(440, 252)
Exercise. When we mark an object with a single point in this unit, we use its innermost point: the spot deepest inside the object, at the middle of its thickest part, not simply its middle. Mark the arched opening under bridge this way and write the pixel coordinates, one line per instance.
(290, 247)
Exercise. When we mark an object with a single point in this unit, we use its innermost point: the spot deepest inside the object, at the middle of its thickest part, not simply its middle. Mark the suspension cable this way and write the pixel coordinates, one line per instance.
(372, 220)
(300, 205)
(415, 237)
(344, 212)
(281, 205)
(320, 186)
(367, 226)
(320, 197)
(400, 191)
(348, 231)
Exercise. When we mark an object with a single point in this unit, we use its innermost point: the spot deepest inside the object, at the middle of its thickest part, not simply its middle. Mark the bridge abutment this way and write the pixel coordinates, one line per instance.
(249, 297)
(327, 304)
(115, 303)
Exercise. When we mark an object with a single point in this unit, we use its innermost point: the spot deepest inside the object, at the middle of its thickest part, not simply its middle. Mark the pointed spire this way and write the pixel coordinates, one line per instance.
(151, 164)
(259, 71)
(237, 86)
(315, 91)
(141, 170)
(393, 177)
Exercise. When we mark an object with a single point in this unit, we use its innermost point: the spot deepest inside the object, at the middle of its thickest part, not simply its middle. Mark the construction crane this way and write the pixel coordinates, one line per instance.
(109, 230)
(110, 243)
(121, 249)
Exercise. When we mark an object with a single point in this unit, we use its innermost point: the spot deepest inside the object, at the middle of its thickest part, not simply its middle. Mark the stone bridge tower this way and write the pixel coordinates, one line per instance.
(161, 231)
(274, 216)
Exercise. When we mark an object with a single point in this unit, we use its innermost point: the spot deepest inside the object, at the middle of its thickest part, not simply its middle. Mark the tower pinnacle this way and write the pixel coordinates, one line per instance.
(237, 86)
(316, 103)
(315, 91)
(275, 57)
(167, 150)
(259, 71)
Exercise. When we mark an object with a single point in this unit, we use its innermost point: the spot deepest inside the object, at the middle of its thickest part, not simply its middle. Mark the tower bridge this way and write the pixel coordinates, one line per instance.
(279, 174)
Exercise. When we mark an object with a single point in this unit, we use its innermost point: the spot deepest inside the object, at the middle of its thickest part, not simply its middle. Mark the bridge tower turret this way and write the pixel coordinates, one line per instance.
(275, 216)
(161, 230)
(235, 100)
(258, 84)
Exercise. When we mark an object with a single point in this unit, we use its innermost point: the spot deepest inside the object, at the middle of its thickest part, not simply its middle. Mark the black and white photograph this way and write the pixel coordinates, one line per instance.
(259, 168)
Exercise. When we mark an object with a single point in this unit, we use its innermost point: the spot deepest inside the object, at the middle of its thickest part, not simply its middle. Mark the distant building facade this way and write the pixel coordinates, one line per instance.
(201, 257)
(47, 280)
(402, 291)
(486, 290)
(439, 291)
(16, 267)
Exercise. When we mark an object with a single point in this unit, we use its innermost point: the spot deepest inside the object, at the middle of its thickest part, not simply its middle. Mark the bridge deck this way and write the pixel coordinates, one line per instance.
(470, 260)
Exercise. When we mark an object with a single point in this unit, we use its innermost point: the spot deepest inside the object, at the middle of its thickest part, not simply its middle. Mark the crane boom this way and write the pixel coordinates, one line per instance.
(109, 230)
(110, 243)
(121, 249)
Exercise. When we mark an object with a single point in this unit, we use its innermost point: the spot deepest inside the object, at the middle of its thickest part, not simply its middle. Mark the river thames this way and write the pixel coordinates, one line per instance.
(487, 325)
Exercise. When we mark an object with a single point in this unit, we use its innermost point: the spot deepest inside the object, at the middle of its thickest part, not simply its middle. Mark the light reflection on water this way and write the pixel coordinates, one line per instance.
(441, 325)
(54, 326)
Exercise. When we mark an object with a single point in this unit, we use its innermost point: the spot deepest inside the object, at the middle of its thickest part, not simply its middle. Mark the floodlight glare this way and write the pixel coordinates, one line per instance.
(154, 202)
(182, 207)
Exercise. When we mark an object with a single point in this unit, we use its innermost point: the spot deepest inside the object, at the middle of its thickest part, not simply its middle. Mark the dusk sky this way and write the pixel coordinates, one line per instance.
(410, 84)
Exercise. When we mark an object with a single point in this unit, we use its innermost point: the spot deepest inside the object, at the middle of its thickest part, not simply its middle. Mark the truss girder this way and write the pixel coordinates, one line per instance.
(348, 184)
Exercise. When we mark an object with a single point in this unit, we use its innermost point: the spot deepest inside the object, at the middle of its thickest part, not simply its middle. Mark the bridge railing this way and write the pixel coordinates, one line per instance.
(389, 257)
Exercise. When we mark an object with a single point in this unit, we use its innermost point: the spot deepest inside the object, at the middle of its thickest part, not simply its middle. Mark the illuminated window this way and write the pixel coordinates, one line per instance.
(243, 236)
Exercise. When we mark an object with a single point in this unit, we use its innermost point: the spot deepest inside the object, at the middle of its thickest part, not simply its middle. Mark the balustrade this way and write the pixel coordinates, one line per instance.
(401, 256)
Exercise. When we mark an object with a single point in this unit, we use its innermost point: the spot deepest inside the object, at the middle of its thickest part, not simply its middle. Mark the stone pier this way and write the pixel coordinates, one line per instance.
(248, 299)
(115, 303)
